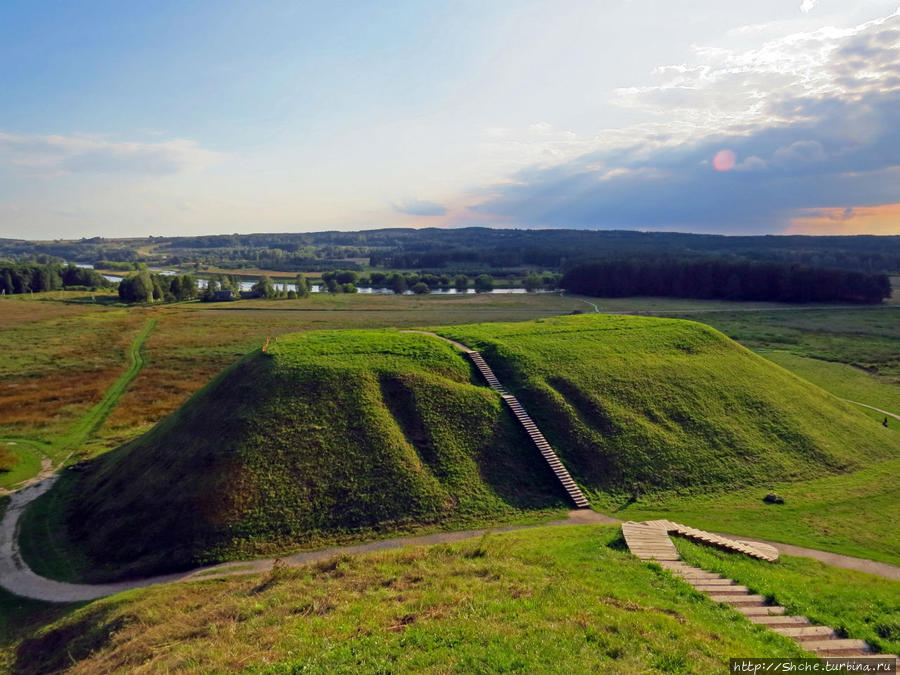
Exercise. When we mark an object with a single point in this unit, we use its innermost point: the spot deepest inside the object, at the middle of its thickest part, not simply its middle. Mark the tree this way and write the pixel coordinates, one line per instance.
(398, 283)
(263, 288)
(302, 286)
(533, 282)
(421, 288)
(484, 283)
(460, 282)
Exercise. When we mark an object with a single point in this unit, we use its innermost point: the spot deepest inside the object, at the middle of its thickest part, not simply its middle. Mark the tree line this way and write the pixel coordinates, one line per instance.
(725, 280)
(16, 278)
(147, 286)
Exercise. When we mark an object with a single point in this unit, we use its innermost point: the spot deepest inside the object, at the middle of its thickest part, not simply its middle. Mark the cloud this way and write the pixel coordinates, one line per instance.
(881, 219)
(807, 6)
(810, 118)
(418, 207)
(55, 154)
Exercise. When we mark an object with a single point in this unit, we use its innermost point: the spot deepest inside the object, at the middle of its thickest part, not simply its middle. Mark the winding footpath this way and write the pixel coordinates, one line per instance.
(86, 425)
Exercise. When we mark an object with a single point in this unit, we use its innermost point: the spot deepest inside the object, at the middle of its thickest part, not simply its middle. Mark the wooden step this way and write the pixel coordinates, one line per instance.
(803, 633)
(738, 599)
(836, 647)
(776, 620)
(721, 589)
(760, 610)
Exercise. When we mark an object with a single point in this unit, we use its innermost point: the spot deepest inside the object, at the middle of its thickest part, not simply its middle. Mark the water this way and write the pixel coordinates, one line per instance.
(317, 288)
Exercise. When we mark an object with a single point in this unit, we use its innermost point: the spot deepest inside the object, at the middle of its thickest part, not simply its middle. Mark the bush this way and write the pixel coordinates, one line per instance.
(8, 459)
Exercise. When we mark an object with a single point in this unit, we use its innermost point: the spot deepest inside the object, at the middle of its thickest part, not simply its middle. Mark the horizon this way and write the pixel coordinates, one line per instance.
(211, 118)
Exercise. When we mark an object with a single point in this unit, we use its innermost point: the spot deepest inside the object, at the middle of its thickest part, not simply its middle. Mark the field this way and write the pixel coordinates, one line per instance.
(353, 433)
(487, 605)
(63, 354)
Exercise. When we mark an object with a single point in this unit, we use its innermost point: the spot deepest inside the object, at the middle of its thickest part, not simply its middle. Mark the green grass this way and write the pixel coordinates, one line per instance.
(849, 514)
(646, 404)
(329, 437)
(89, 423)
(842, 380)
(27, 465)
(856, 604)
(347, 434)
(544, 600)
(867, 338)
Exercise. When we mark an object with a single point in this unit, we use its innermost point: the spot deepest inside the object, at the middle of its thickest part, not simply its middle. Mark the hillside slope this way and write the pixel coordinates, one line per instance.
(346, 433)
(329, 434)
(640, 403)
(558, 599)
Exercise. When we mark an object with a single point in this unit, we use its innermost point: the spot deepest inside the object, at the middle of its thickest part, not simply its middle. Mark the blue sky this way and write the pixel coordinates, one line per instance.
(126, 119)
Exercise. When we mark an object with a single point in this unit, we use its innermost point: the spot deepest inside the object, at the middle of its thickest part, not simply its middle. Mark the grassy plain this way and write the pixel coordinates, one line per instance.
(542, 600)
(856, 604)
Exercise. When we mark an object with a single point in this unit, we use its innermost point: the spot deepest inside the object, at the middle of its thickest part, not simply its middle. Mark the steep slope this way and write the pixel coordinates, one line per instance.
(328, 434)
(338, 434)
(639, 403)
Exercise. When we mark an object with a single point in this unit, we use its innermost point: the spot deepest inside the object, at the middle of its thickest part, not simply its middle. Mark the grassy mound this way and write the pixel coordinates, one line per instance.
(343, 434)
(637, 404)
(546, 600)
(329, 435)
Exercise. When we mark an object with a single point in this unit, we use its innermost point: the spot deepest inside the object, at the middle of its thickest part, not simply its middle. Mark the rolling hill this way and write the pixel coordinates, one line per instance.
(341, 434)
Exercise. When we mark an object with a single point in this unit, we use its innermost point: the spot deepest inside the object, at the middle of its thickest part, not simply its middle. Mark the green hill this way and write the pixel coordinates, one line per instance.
(640, 403)
(341, 434)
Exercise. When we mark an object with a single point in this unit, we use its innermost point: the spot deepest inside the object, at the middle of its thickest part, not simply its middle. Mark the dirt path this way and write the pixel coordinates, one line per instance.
(16, 577)
(86, 425)
(872, 407)
(460, 346)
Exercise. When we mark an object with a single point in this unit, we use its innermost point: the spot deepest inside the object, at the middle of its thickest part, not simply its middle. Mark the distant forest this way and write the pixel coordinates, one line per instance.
(465, 250)
(35, 278)
(716, 279)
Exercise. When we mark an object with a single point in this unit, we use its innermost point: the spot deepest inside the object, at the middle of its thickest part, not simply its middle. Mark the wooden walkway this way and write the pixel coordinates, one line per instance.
(533, 432)
(650, 541)
(559, 470)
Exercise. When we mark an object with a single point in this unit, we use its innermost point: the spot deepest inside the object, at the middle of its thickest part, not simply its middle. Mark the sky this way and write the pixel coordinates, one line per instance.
(192, 117)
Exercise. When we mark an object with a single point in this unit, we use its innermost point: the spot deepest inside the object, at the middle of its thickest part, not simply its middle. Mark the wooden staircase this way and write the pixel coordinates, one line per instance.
(531, 428)
(650, 541)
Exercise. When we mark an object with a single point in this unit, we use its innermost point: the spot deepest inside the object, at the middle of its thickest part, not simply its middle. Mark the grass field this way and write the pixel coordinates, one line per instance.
(856, 604)
(544, 600)
(849, 514)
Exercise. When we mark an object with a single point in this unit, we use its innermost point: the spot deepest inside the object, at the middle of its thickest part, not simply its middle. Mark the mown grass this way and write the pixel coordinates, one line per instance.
(849, 514)
(637, 405)
(856, 604)
(543, 600)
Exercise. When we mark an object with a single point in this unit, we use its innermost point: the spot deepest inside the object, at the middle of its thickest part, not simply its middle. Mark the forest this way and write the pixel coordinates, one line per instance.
(726, 280)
